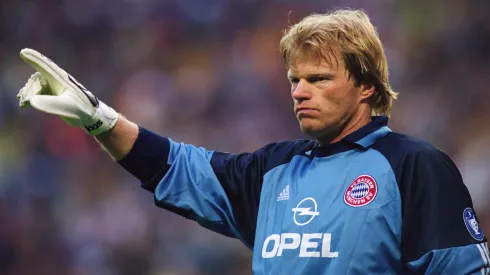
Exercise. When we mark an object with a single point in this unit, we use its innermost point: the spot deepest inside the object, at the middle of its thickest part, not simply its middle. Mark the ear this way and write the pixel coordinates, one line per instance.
(367, 90)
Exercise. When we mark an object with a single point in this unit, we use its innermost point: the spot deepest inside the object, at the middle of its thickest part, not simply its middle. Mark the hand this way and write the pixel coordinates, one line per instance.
(54, 91)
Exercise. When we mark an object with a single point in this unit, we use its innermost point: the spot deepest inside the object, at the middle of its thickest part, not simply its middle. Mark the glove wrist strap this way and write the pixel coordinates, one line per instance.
(104, 119)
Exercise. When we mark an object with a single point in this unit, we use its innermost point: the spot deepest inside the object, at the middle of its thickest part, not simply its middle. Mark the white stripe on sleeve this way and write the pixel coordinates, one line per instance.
(484, 257)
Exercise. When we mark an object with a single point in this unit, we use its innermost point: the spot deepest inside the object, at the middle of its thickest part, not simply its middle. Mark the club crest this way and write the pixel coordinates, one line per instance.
(361, 191)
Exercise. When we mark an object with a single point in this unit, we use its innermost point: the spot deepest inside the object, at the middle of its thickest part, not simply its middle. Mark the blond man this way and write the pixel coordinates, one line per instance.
(357, 199)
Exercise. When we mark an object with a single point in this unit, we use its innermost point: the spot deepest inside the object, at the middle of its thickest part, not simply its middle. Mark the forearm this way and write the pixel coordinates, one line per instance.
(119, 140)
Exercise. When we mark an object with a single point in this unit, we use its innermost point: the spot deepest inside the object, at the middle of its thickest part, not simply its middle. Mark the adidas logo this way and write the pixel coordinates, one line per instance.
(284, 195)
(94, 126)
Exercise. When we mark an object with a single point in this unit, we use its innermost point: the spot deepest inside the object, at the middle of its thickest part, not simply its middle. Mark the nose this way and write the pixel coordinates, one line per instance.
(301, 91)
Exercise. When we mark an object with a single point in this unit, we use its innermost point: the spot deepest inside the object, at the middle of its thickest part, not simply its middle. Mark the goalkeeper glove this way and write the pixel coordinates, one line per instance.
(54, 91)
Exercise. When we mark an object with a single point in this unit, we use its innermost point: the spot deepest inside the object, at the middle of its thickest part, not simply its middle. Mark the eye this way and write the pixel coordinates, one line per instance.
(317, 79)
(293, 80)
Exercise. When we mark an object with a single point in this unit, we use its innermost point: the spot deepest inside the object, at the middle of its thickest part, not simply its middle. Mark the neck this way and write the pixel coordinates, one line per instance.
(353, 124)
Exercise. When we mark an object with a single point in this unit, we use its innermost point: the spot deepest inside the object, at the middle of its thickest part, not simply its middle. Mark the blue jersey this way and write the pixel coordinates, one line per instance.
(376, 202)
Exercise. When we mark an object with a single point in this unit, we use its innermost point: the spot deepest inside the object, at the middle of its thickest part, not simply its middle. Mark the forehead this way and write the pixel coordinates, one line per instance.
(302, 64)
(308, 67)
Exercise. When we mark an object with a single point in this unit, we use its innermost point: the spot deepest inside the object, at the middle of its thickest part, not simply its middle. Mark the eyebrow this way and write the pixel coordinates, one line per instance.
(307, 76)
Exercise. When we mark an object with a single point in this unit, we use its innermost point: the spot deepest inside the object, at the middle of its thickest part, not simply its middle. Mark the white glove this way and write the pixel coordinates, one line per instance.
(54, 91)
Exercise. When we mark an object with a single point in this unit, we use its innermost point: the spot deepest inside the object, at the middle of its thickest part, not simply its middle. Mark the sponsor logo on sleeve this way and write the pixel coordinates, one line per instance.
(472, 224)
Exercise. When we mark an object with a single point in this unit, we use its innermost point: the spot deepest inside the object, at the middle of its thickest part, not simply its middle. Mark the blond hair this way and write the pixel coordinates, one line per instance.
(350, 35)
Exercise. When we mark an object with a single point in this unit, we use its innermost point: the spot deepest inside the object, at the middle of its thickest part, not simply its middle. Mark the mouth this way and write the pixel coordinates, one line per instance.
(305, 111)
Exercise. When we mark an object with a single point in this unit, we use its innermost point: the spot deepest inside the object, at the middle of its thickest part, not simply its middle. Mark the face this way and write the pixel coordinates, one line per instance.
(325, 98)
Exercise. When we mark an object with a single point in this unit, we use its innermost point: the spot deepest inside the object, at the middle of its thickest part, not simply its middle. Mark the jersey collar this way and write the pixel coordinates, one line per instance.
(371, 132)
(364, 137)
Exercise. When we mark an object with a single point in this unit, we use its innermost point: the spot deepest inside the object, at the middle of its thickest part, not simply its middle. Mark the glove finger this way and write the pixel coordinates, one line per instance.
(62, 105)
(52, 72)
(34, 86)
(38, 61)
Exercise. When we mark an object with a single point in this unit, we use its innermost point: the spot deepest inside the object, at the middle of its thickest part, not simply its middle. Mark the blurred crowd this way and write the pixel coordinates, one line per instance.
(207, 73)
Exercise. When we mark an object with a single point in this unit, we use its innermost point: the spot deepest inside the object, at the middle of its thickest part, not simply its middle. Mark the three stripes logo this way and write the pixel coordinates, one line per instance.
(284, 195)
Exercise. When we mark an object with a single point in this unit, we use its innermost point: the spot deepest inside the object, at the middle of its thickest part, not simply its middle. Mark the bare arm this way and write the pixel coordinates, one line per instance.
(119, 140)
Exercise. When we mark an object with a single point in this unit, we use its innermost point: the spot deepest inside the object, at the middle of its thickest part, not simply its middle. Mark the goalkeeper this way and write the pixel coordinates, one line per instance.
(358, 199)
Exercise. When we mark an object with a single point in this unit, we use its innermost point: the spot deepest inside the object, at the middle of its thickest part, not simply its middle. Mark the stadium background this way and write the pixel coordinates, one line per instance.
(207, 73)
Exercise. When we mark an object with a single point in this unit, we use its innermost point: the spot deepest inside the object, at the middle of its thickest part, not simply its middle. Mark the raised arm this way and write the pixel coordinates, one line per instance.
(220, 191)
